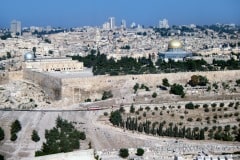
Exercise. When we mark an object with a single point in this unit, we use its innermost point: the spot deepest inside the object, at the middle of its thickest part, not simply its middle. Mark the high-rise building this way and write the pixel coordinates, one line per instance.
(124, 24)
(106, 25)
(16, 27)
(163, 23)
(112, 22)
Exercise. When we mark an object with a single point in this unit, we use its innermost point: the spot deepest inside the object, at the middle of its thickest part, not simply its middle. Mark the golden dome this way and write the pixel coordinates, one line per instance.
(173, 44)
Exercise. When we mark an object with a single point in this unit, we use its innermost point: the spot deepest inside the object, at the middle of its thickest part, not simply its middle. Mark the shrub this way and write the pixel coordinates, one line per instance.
(213, 105)
(13, 137)
(107, 94)
(189, 105)
(165, 82)
(144, 114)
(105, 113)
(205, 106)
(147, 108)
(35, 136)
(132, 109)
(221, 105)
(177, 89)
(190, 119)
(206, 110)
(123, 152)
(154, 95)
(15, 127)
(140, 152)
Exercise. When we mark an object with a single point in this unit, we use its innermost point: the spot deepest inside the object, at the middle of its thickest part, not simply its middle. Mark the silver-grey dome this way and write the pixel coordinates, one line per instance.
(28, 56)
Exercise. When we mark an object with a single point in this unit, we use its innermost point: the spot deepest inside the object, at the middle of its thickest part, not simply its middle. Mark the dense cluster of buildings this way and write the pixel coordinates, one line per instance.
(117, 42)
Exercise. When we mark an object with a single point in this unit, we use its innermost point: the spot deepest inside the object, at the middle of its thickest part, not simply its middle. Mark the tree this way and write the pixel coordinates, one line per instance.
(189, 105)
(177, 89)
(61, 138)
(34, 51)
(140, 152)
(136, 87)
(132, 109)
(107, 94)
(238, 82)
(13, 137)
(165, 82)
(123, 152)
(2, 135)
(50, 52)
(154, 95)
(15, 127)
(115, 118)
(9, 55)
(35, 136)
(198, 80)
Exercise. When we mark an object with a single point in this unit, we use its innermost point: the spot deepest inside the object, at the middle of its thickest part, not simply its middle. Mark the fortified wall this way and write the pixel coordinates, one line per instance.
(75, 90)
(51, 85)
(79, 89)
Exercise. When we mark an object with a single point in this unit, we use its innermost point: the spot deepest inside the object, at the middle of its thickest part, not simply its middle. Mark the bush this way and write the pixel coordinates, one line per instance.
(213, 105)
(132, 109)
(107, 94)
(115, 118)
(140, 152)
(198, 80)
(205, 106)
(35, 136)
(15, 127)
(123, 152)
(105, 114)
(177, 89)
(221, 104)
(189, 105)
(165, 82)
(13, 137)
(154, 95)
(206, 110)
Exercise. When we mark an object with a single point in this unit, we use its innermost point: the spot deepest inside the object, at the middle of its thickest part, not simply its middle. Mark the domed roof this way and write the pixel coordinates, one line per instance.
(174, 44)
(28, 56)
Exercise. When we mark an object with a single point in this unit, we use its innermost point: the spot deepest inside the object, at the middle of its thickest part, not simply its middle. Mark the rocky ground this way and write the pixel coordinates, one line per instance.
(22, 95)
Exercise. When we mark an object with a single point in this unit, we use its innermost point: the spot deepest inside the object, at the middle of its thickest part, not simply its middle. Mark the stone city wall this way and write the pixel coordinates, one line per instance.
(75, 90)
(51, 85)
(78, 89)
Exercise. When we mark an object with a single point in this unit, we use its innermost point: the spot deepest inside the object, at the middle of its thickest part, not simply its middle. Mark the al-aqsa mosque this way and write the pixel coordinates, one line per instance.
(175, 52)
(51, 64)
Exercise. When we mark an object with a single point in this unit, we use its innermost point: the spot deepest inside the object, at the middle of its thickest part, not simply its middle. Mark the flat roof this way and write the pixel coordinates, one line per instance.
(72, 74)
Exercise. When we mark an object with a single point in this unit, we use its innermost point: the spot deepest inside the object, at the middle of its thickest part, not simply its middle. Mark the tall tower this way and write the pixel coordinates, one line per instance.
(163, 23)
(124, 24)
(112, 22)
(16, 27)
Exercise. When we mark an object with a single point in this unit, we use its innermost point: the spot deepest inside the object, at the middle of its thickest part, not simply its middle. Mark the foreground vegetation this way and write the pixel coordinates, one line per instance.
(193, 121)
(62, 138)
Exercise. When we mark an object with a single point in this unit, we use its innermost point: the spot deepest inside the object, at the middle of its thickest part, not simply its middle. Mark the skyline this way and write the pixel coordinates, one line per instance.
(76, 13)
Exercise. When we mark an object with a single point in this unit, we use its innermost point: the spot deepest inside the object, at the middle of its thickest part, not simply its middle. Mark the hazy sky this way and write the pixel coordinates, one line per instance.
(72, 13)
